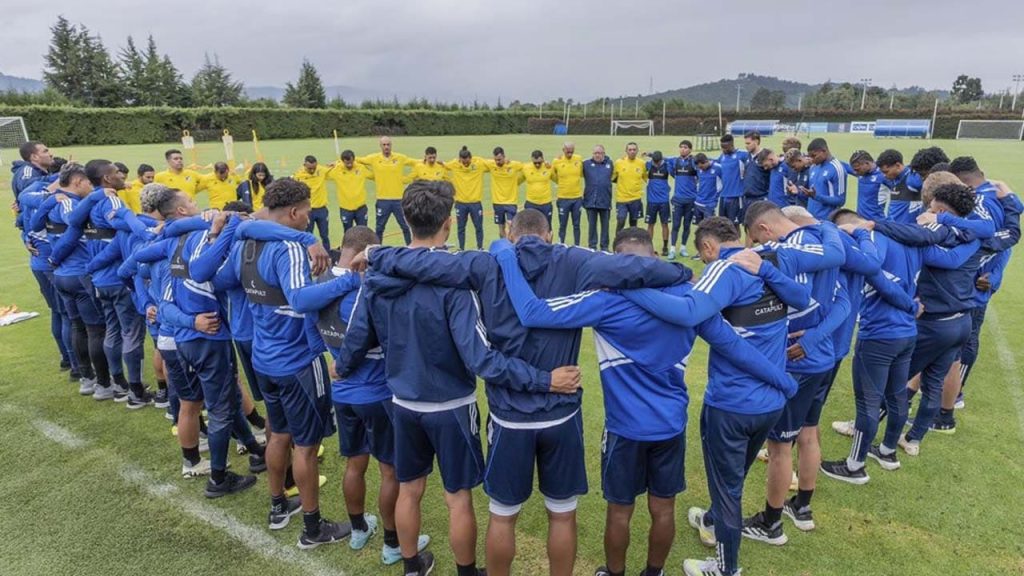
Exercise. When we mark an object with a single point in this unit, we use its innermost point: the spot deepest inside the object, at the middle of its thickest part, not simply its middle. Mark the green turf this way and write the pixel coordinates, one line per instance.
(80, 510)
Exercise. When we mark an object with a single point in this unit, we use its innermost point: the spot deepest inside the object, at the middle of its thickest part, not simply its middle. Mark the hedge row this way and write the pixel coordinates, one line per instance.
(66, 126)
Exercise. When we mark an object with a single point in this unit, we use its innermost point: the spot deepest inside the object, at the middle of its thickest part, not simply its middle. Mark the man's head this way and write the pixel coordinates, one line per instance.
(727, 143)
(102, 173)
(287, 200)
(172, 203)
(967, 170)
(657, 157)
(799, 215)
(765, 222)
(309, 163)
(711, 234)
(862, 162)
(427, 206)
(149, 198)
(925, 160)
(430, 155)
(37, 153)
(238, 206)
(123, 169)
(818, 151)
(348, 158)
(598, 154)
(221, 170)
(74, 179)
(537, 157)
(791, 143)
(702, 161)
(568, 149)
(631, 150)
(356, 239)
(633, 240)
(752, 141)
(499, 155)
(890, 162)
(933, 181)
(465, 156)
(795, 159)
(685, 148)
(146, 174)
(767, 159)
(955, 198)
(385, 145)
(529, 222)
(846, 216)
(175, 161)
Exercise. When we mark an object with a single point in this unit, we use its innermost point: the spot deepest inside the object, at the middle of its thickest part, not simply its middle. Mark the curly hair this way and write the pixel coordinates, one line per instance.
(150, 196)
(926, 159)
(958, 197)
(717, 227)
(285, 192)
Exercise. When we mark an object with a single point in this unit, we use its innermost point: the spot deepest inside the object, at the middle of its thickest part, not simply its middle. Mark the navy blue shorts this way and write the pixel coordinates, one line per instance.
(798, 411)
(630, 468)
(700, 213)
(300, 404)
(453, 435)
(556, 450)
(814, 416)
(544, 209)
(350, 218)
(656, 210)
(504, 213)
(366, 429)
(634, 210)
(78, 302)
(244, 349)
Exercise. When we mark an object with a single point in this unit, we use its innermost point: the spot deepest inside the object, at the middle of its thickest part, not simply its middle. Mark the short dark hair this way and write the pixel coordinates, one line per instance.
(940, 167)
(27, 149)
(841, 214)
(860, 156)
(122, 168)
(957, 196)
(358, 238)
(762, 155)
(687, 143)
(348, 155)
(536, 154)
(165, 200)
(753, 135)
(628, 144)
(700, 158)
(58, 163)
(143, 168)
(69, 172)
(926, 159)
(171, 152)
(430, 150)
(465, 153)
(530, 222)
(726, 138)
(238, 206)
(310, 159)
(889, 157)
(758, 210)
(220, 167)
(96, 169)
(964, 165)
(426, 205)
(632, 235)
(818, 144)
(499, 150)
(657, 156)
(285, 192)
(717, 227)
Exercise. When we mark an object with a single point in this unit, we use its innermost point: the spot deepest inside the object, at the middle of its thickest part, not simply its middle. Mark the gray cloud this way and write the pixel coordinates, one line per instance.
(530, 49)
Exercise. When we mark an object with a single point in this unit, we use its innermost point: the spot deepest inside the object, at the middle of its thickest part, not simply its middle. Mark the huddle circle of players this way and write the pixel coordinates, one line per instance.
(411, 328)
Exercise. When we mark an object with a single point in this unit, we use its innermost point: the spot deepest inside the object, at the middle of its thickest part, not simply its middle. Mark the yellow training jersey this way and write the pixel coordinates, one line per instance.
(187, 180)
(388, 173)
(569, 176)
(257, 196)
(631, 178)
(317, 182)
(131, 196)
(538, 183)
(505, 181)
(468, 181)
(221, 191)
(351, 185)
(423, 171)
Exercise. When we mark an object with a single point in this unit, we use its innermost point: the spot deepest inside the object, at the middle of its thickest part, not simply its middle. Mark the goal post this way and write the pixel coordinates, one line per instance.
(634, 124)
(990, 130)
(12, 133)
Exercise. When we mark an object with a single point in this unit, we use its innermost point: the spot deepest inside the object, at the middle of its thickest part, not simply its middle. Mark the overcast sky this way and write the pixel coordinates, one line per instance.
(533, 49)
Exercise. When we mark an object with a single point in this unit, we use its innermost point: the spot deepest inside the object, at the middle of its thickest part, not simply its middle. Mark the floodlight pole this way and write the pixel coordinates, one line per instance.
(1016, 89)
(738, 88)
(664, 107)
(864, 93)
(935, 113)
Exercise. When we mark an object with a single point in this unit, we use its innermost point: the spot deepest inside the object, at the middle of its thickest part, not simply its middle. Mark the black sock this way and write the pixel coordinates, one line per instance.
(191, 454)
(255, 419)
(412, 565)
(651, 571)
(391, 538)
(137, 389)
(467, 570)
(119, 379)
(217, 475)
(945, 413)
(910, 394)
(202, 425)
(610, 573)
(161, 384)
(359, 522)
(289, 478)
(803, 498)
(311, 522)
(772, 516)
(278, 502)
(255, 449)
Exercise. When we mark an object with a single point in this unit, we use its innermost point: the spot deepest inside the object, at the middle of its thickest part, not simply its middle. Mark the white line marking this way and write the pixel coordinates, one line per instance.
(1009, 367)
(58, 434)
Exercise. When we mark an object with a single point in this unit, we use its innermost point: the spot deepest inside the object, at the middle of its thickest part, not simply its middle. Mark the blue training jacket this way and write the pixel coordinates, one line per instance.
(904, 196)
(862, 260)
(684, 172)
(23, 174)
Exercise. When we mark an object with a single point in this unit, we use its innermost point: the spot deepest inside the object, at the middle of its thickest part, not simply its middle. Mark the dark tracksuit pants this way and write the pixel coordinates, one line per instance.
(969, 352)
(595, 217)
(880, 372)
(939, 340)
(465, 211)
(682, 215)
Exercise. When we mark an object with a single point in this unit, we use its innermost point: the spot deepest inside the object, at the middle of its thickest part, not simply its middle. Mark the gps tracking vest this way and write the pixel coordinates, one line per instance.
(257, 290)
(767, 309)
(659, 172)
(902, 192)
(332, 328)
(178, 265)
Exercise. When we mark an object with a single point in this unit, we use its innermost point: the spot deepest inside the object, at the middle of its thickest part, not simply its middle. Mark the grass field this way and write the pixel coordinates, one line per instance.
(91, 488)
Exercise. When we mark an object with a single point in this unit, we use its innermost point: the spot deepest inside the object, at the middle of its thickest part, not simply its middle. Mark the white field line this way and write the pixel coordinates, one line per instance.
(1008, 366)
(255, 539)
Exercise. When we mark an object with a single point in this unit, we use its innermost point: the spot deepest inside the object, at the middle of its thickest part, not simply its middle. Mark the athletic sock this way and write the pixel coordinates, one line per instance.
(803, 498)
(412, 565)
(772, 516)
(853, 465)
(610, 573)
(885, 450)
(910, 394)
(161, 384)
(945, 414)
(359, 522)
(137, 389)
(289, 478)
(202, 426)
(217, 475)
(391, 538)
(311, 523)
(255, 448)
(255, 419)
(120, 380)
(651, 571)
(279, 502)
(191, 454)
(467, 570)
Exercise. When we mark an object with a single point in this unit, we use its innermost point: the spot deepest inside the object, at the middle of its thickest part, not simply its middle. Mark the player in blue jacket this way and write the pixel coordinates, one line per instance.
(827, 188)
(903, 185)
(709, 186)
(34, 165)
(684, 174)
(872, 195)
(732, 163)
(658, 189)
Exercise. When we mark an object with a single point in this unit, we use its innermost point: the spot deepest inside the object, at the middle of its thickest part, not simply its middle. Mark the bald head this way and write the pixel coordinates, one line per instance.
(765, 222)
(385, 145)
(799, 215)
(568, 148)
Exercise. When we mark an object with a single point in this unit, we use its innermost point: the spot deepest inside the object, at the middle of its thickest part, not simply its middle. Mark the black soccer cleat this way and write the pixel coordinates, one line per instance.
(838, 470)
(280, 515)
(757, 528)
(233, 483)
(887, 462)
(426, 565)
(803, 518)
(330, 533)
(257, 464)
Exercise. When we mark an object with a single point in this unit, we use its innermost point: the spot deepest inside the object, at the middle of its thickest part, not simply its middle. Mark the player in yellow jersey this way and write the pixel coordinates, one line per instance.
(506, 176)
(467, 177)
(569, 177)
(538, 176)
(630, 180)
(350, 179)
(131, 195)
(315, 176)
(222, 185)
(389, 177)
(252, 188)
(177, 176)
(429, 168)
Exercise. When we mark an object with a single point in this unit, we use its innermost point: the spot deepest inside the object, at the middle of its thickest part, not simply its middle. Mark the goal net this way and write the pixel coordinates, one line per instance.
(644, 125)
(990, 129)
(12, 134)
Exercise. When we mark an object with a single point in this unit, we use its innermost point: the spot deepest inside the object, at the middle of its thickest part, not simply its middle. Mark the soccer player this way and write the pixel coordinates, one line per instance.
(130, 195)
(597, 197)
(684, 173)
(732, 163)
(506, 176)
(871, 196)
(314, 177)
(538, 177)
(645, 399)
(827, 190)
(630, 177)
(709, 186)
(350, 181)
(904, 187)
(251, 189)
(222, 185)
(798, 176)
(467, 177)
(433, 346)
(429, 168)
(927, 160)
(177, 176)
(658, 171)
(756, 179)
(769, 162)
(35, 163)
(568, 169)
(388, 168)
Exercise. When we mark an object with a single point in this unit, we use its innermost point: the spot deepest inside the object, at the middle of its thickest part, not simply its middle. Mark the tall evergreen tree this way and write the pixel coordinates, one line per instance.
(63, 70)
(308, 92)
(174, 88)
(134, 76)
(213, 86)
(100, 73)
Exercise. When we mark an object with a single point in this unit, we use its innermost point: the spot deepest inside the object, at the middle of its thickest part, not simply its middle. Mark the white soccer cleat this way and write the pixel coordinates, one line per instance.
(844, 427)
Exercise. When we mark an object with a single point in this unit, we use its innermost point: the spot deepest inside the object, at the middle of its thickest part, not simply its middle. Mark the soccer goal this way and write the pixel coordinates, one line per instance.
(647, 125)
(990, 129)
(12, 133)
